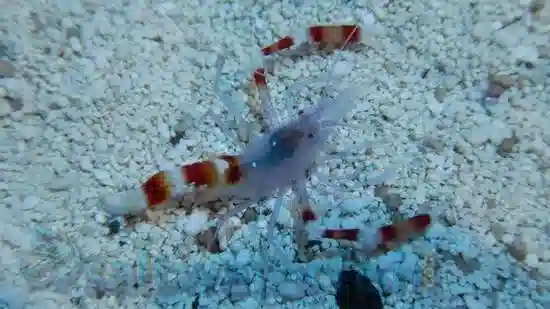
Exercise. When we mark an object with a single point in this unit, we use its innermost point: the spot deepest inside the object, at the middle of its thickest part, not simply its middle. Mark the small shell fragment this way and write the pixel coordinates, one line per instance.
(544, 52)
(428, 272)
(7, 70)
(536, 6)
(498, 83)
(250, 215)
(440, 93)
(506, 147)
(205, 238)
(517, 250)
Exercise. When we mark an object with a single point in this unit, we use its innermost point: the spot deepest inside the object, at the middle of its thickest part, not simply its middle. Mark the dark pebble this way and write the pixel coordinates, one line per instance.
(250, 215)
(7, 70)
(114, 227)
(204, 239)
(174, 140)
(506, 147)
(356, 291)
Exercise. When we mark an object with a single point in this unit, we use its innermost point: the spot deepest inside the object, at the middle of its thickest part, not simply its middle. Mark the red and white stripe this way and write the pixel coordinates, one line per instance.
(168, 185)
(379, 240)
(318, 38)
(330, 37)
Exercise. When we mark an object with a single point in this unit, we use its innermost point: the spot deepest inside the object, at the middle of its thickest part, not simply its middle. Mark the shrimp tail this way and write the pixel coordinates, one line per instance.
(169, 185)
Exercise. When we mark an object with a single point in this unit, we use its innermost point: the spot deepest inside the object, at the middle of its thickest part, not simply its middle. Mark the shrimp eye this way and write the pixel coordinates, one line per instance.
(300, 112)
(310, 135)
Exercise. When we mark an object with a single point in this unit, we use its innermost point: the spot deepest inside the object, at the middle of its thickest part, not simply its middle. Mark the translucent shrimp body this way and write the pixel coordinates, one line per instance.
(282, 157)
(279, 160)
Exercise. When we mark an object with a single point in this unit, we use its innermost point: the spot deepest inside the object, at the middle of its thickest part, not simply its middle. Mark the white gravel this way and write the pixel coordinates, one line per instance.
(101, 87)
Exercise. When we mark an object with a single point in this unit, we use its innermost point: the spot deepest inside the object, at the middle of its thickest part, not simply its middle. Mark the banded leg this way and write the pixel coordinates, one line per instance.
(268, 112)
(331, 37)
(318, 39)
(384, 239)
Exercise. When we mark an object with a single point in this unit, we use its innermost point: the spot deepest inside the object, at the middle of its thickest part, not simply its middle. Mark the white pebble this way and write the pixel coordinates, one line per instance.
(163, 130)
(64, 182)
(544, 269)
(437, 230)
(390, 260)
(249, 303)
(342, 68)
(508, 238)
(75, 44)
(498, 131)
(101, 145)
(239, 292)
(103, 177)
(100, 218)
(350, 223)
(276, 277)
(480, 283)
(389, 282)
(195, 223)
(28, 132)
(284, 218)
(30, 202)
(473, 303)
(325, 283)
(243, 257)
(5, 107)
(86, 163)
(408, 268)
(291, 290)
(532, 260)
(355, 205)
(525, 53)
(478, 134)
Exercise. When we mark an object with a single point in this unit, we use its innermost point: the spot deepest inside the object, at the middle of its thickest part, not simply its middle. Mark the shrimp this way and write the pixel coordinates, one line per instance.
(284, 152)
(272, 163)
(279, 160)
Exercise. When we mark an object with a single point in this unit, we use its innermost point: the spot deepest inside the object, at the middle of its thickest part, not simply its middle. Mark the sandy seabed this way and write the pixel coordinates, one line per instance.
(95, 96)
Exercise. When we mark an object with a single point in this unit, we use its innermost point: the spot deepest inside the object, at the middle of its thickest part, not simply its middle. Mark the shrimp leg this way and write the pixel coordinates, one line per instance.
(384, 239)
(271, 230)
(269, 113)
(303, 215)
(234, 108)
(319, 38)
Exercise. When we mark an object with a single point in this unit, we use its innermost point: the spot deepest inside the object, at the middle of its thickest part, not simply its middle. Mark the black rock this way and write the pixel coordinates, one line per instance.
(114, 226)
(356, 291)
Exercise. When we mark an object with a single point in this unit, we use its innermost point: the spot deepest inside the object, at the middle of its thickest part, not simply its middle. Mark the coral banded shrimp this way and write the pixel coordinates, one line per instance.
(272, 163)
(244, 176)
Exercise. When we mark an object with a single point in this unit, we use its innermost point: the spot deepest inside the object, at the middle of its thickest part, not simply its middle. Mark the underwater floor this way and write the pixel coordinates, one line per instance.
(96, 96)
